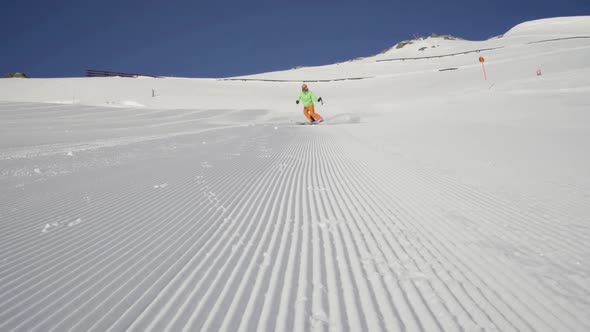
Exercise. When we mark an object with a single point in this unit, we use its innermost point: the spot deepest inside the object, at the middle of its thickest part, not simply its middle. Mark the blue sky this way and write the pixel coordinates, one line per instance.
(227, 38)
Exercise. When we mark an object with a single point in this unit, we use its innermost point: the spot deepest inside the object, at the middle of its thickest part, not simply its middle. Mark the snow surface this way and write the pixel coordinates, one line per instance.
(428, 200)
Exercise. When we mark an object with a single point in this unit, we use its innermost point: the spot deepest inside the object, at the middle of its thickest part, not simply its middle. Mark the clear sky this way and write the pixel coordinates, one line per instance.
(206, 38)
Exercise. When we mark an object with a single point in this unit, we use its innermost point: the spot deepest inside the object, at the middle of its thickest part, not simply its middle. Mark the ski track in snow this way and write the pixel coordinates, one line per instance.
(271, 228)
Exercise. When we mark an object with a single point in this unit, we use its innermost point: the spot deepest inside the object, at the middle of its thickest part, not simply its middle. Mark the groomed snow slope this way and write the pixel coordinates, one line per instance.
(428, 200)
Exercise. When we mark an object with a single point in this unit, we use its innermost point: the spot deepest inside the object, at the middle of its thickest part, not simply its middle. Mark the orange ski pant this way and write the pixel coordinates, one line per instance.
(310, 113)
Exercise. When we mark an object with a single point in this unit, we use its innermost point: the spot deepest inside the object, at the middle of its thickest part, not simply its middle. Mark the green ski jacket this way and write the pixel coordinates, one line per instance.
(307, 97)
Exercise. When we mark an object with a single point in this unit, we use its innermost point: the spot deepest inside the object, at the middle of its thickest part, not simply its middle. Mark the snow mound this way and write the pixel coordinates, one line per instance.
(124, 104)
(63, 102)
(131, 103)
(569, 26)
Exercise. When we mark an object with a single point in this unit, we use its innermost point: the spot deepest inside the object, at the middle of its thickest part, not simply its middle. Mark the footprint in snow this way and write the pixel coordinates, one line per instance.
(75, 222)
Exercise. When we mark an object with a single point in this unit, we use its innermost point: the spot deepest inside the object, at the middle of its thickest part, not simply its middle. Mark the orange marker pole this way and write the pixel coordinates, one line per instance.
(483, 66)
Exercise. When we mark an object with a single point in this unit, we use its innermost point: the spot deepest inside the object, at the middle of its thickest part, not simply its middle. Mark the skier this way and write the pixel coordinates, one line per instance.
(307, 97)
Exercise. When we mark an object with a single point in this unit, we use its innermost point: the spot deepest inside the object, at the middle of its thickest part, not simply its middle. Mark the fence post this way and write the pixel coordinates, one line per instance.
(482, 60)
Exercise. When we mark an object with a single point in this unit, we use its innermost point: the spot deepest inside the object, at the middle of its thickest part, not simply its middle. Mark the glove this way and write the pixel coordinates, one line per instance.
(296, 101)
(319, 99)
